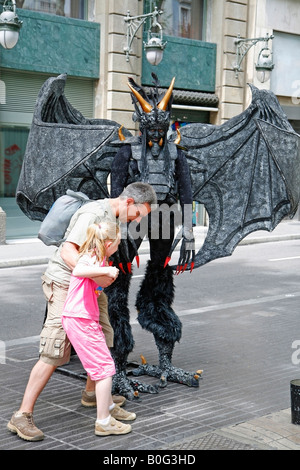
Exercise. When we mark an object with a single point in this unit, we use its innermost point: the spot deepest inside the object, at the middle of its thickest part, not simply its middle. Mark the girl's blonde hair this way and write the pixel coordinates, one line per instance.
(97, 235)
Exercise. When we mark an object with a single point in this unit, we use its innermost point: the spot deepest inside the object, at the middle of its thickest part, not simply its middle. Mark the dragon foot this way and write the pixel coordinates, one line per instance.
(129, 388)
(168, 373)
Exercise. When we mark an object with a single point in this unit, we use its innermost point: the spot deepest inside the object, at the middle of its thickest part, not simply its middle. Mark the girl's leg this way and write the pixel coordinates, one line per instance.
(105, 423)
(90, 385)
(104, 398)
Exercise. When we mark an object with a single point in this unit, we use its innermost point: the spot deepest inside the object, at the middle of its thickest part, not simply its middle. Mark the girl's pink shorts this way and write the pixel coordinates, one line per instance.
(88, 340)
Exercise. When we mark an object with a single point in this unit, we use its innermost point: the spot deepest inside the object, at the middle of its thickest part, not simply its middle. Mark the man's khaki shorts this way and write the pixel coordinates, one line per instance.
(55, 348)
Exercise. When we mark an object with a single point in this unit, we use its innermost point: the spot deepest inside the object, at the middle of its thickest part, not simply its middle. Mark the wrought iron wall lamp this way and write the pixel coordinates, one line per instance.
(264, 64)
(154, 46)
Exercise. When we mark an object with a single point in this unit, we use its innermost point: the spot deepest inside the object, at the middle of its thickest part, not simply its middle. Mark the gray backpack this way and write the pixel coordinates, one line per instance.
(56, 222)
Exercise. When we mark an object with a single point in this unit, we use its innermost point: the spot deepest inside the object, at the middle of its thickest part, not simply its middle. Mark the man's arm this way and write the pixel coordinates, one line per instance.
(69, 254)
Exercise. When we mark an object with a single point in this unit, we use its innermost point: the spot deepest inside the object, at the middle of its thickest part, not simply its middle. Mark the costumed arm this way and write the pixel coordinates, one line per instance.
(187, 250)
(119, 180)
(119, 170)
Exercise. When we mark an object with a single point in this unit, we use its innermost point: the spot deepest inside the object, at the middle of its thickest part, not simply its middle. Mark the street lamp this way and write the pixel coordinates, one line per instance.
(154, 46)
(10, 25)
(264, 64)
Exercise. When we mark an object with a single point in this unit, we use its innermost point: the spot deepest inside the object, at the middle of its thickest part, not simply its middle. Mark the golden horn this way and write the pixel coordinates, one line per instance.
(162, 105)
(143, 360)
(121, 135)
(178, 138)
(146, 107)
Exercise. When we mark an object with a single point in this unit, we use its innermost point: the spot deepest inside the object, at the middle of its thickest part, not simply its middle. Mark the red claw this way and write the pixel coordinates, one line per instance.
(137, 260)
(167, 261)
(192, 266)
(184, 268)
(178, 269)
(110, 263)
(121, 267)
(129, 267)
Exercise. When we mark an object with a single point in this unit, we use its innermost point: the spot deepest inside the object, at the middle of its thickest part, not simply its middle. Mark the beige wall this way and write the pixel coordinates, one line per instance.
(283, 15)
(113, 100)
(227, 19)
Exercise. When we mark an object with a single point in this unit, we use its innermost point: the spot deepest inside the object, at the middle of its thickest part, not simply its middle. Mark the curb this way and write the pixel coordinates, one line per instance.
(37, 260)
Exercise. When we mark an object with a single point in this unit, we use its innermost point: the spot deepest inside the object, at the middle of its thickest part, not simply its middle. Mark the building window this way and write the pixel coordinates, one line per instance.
(185, 22)
(69, 8)
(181, 18)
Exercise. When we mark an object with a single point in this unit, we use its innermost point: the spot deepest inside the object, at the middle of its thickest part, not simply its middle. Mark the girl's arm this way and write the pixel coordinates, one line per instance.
(69, 254)
(95, 272)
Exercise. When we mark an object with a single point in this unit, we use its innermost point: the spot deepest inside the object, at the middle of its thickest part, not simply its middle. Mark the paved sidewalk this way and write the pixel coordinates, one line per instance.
(177, 419)
(217, 416)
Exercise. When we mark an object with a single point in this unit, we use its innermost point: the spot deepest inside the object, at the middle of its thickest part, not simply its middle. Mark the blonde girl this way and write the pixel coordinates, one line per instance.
(80, 320)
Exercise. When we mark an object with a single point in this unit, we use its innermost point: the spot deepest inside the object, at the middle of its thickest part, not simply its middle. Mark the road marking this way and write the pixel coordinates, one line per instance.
(20, 341)
(192, 311)
(238, 304)
(284, 259)
(16, 342)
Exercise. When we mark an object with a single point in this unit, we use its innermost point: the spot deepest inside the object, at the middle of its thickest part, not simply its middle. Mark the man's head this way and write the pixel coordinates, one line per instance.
(136, 201)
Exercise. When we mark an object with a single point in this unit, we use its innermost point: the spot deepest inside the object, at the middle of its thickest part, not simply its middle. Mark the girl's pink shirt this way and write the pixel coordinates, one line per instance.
(81, 301)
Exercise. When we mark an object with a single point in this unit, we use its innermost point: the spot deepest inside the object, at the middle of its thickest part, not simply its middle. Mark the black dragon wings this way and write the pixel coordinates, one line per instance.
(246, 171)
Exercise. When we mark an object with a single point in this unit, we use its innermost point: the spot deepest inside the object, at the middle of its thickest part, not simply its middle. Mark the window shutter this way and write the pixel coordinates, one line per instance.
(20, 91)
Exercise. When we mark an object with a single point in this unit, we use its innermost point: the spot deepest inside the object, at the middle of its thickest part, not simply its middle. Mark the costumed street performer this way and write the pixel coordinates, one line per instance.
(151, 158)
(246, 172)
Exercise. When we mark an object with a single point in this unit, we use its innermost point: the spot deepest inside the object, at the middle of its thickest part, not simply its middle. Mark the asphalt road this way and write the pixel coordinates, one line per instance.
(257, 275)
(240, 318)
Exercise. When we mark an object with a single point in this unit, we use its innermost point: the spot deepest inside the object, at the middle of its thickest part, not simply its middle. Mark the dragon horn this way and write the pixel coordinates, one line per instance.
(162, 105)
(178, 138)
(146, 107)
(120, 133)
